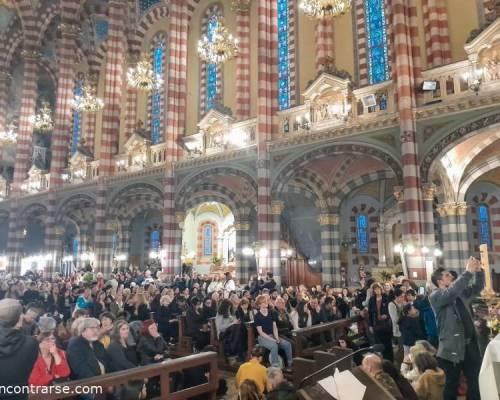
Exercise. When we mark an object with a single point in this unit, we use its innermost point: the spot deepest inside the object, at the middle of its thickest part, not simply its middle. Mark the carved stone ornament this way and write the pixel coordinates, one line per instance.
(428, 192)
(329, 219)
(240, 6)
(277, 207)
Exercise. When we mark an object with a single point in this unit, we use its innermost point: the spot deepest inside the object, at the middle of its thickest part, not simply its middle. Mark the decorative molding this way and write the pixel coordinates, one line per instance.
(69, 29)
(329, 219)
(452, 209)
(250, 151)
(399, 193)
(428, 191)
(242, 226)
(277, 207)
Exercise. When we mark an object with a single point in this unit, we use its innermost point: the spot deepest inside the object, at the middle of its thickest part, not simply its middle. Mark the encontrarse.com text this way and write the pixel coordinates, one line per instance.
(59, 389)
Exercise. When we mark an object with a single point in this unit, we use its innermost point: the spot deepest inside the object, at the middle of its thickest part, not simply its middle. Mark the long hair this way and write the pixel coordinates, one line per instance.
(249, 391)
(225, 308)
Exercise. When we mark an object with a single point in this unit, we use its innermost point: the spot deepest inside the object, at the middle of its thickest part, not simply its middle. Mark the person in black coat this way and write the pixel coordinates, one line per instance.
(196, 324)
(151, 347)
(86, 355)
(380, 320)
(410, 327)
(18, 352)
(163, 316)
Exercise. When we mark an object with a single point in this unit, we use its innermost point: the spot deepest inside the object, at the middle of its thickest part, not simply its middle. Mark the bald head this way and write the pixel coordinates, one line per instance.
(10, 312)
(372, 364)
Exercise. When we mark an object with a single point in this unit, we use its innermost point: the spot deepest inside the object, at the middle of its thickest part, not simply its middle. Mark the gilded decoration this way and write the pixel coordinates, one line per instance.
(329, 219)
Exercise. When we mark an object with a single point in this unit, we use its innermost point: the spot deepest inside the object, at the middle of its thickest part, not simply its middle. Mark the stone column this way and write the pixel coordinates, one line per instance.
(274, 266)
(242, 228)
(389, 245)
(330, 249)
(103, 235)
(242, 9)
(381, 237)
(437, 38)
(4, 94)
(455, 241)
(325, 50)
(428, 192)
(131, 115)
(15, 241)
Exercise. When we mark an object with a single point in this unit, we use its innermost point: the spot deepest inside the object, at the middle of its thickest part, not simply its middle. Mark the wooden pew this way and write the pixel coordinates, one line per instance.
(185, 342)
(335, 329)
(163, 370)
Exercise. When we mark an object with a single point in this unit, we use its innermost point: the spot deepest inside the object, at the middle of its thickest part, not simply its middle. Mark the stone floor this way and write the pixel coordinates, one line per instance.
(232, 393)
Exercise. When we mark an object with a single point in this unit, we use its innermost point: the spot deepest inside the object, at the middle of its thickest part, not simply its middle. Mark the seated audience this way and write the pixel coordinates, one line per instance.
(402, 383)
(107, 319)
(408, 370)
(51, 364)
(151, 347)
(430, 383)
(278, 388)
(18, 352)
(254, 370)
(197, 324)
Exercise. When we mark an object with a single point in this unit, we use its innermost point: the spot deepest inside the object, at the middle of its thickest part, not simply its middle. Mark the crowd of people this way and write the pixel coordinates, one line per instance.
(81, 326)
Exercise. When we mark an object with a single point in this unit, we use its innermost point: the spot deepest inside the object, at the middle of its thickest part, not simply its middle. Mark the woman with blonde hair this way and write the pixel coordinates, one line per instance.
(248, 391)
(141, 309)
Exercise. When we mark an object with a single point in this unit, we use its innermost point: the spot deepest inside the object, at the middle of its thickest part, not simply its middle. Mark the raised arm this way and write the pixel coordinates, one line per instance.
(444, 296)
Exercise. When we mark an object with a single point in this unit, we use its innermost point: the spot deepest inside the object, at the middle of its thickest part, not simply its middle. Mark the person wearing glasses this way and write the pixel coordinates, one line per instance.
(51, 364)
(458, 348)
(86, 355)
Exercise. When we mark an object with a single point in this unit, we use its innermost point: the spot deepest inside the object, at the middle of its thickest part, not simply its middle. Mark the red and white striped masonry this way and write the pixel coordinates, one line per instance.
(407, 72)
(243, 65)
(175, 122)
(131, 115)
(4, 93)
(266, 122)
(437, 38)
(325, 46)
(490, 10)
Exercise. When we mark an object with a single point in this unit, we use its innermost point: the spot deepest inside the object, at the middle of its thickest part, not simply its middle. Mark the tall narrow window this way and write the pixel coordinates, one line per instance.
(77, 121)
(283, 55)
(376, 32)
(211, 69)
(157, 94)
(484, 225)
(75, 247)
(144, 5)
(362, 233)
(114, 242)
(207, 240)
(155, 240)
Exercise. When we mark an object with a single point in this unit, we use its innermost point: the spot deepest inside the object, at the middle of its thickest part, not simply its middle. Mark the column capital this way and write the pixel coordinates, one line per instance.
(69, 29)
(5, 76)
(241, 226)
(428, 191)
(240, 6)
(399, 193)
(451, 209)
(180, 216)
(30, 54)
(329, 219)
(59, 230)
(277, 207)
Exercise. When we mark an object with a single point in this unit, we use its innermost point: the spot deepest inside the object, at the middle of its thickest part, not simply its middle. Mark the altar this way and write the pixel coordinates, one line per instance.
(489, 376)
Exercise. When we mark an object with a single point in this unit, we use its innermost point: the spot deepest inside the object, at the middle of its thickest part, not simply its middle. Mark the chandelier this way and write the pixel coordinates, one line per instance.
(218, 48)
(325, 8)
(142, 76)
(8, 136)
(42, 121)
(87, 101)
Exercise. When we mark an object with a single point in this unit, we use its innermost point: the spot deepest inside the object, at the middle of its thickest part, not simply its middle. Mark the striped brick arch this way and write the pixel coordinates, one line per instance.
(475, 173)
(288, 169)
(371, 257)
(213, 9)
(154, 14)
(134, 198)
(79, 208)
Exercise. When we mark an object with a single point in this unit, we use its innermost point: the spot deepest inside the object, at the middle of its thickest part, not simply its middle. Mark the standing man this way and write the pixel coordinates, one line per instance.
(458, 348)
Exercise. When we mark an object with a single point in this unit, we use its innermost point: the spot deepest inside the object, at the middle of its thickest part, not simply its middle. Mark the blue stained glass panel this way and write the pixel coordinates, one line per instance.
(76, 247)
(114, 241)
(362, 233)
(101, 29)
(207, 240)
(211, 69)
(156, 95)
(77, 121)
(484, 225)
(283, 56)
(145, 4)
(155, 240)
(378, 62)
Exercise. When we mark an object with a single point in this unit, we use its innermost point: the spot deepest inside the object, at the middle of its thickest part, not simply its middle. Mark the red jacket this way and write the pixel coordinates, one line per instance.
(43, 376)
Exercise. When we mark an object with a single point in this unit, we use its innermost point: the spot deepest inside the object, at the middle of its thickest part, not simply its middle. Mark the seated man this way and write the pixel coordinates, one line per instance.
(372, 365)
(254, 370)
(278, 388)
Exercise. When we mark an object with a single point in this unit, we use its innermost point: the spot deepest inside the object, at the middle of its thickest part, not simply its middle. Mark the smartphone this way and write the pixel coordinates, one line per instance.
(421, 290)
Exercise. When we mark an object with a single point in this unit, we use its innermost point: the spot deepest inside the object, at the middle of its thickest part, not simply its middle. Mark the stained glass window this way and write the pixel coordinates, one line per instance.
(155, 240)
(362, 233)
(114, 242)
(101, 29)
(207, 240)
(145, 4)
(211, 69)
(378, 62)
(283, 56)
(77, 121)
(76, 247)
(156, 95)
(484, 225)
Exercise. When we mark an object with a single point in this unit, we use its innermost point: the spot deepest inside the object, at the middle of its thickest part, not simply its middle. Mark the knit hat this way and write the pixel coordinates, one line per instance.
(146, 324)
(46, 324)
(10, 312)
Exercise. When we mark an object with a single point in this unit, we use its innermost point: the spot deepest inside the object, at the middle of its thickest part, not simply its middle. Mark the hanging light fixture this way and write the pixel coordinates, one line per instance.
(42, 121)
(87, 102)
(220, 47)
(322, 9)
(9, 135)
(142, 76)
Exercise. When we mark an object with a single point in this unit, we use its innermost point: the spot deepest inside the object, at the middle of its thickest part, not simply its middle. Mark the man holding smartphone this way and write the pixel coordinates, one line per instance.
(458, 349)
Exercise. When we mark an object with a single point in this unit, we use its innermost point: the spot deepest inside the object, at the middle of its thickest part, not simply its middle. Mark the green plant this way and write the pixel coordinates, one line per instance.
(385, 275)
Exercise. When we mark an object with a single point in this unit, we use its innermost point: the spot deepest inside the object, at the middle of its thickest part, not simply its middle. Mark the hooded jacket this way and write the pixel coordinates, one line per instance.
(18, 354)
(430, 385)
